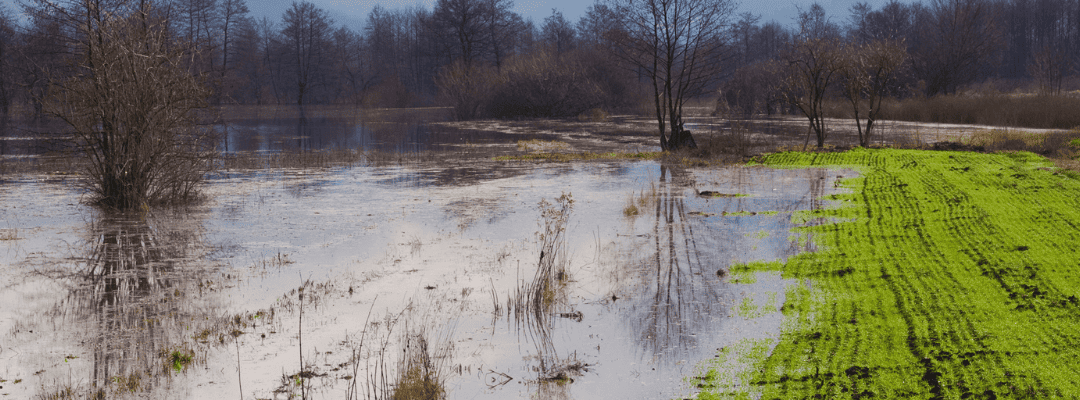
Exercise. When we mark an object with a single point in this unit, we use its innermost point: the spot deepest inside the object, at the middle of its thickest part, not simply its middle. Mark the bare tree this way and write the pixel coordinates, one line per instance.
(197, 20)
(352, 66)
(679, 46)
(131, 103)
(232, 12)
(597, 26)
(956, 45)
(461, 24)
(7, 35)
(502, 27)
(815, 24)
(869, 72)
(812, 64)
(1048, 66)
(558, 33)
(306, 31)
(744, 31)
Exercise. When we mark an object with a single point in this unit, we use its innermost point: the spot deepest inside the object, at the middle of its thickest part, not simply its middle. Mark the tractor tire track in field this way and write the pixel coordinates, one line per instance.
(946, 275)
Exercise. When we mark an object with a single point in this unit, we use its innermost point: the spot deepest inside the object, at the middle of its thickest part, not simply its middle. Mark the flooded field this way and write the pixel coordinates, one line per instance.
(492, 280)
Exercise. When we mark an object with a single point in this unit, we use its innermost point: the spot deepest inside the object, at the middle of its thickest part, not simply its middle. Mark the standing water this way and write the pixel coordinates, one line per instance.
(472, 280)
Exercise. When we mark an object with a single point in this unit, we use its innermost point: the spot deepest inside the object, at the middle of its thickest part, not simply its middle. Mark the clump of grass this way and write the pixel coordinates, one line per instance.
(541, 146)
(179, 359)
(642, 200)
(596, 114)
(419, 376)
(551, 269)
(9, 234)
(130, 383)
(73, 393)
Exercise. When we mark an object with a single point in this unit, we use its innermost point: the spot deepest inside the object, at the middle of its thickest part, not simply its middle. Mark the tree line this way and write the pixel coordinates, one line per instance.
(486, 60)
(305, 57)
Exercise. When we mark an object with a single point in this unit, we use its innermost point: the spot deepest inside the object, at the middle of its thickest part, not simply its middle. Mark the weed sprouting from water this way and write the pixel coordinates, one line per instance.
(534, 302)
(420, 375)
(540, 294)
(643, 200)
(9, 234)
(631, 209)
(179, 359)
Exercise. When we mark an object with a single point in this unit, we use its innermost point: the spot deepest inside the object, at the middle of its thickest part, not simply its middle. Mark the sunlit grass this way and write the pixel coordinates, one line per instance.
(944, 275)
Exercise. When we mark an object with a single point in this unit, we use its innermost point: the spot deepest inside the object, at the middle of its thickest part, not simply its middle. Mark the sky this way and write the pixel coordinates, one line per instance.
(353, 13)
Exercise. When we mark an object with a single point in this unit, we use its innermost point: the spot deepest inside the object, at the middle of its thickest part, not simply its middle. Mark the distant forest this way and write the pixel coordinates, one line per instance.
(416, 56)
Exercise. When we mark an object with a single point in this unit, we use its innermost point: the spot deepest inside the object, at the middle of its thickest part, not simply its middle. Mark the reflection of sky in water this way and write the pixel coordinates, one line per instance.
(653, 307)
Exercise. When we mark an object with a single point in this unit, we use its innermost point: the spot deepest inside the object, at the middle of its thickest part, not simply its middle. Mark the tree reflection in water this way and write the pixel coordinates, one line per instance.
(674, 298)
(680, 302)
(140, 298)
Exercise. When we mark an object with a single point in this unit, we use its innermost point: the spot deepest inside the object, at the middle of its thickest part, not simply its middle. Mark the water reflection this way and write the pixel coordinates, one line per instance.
(309, 128)
(138, 297)
(22, 136)
(295, 129)
(677, 296)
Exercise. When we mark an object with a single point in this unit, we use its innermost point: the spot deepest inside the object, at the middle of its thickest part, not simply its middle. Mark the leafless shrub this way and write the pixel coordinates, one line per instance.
(465, 87)
(543, 84)
(130, 104)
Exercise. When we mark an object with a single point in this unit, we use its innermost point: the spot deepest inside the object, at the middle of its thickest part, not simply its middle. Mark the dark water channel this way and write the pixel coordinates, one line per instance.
(427, 254)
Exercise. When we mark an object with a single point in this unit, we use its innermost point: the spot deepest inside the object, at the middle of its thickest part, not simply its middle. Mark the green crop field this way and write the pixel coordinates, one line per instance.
(942, 275)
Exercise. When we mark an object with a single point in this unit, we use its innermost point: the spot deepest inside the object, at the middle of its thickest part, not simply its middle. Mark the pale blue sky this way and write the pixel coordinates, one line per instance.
(354, 12)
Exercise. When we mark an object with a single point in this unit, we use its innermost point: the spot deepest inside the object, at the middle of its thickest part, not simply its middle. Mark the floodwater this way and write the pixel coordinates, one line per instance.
(289, 129)
(323, 283)
(90, 297)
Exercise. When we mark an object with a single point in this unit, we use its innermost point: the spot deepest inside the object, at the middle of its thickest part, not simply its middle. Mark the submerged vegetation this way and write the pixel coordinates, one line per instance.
(946, 275)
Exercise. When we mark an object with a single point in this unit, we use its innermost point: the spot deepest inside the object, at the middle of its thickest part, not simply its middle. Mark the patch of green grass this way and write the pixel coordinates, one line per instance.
(749, 308)
(945, 275)
(537, 145)
(738, 213)
(178, 360)
(730, 372)
(761, 234)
